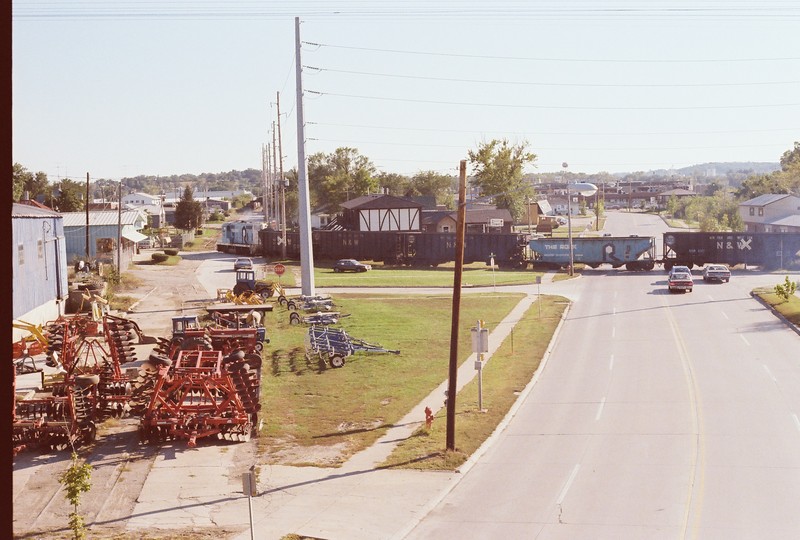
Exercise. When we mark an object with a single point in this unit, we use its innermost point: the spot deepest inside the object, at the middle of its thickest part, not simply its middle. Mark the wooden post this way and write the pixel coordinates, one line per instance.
(459, 264)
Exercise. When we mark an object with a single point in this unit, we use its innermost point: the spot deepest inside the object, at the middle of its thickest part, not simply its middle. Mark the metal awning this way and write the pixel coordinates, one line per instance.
(132, 234)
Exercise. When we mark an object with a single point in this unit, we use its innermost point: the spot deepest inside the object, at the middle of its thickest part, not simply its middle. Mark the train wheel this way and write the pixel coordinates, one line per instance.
(294, 318)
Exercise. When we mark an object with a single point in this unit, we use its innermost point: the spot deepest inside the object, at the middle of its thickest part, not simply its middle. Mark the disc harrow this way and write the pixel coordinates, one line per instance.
(202, 394)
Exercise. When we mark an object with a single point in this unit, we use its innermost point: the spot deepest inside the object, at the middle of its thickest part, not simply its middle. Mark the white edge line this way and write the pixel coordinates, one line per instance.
(745, 340)
(771, 376)
(611, 363)
(600, 409)
(566, 487)
(796, 421)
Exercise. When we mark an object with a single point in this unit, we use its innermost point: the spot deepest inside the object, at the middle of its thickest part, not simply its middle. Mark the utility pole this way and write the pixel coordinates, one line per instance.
(453, 368)
(304, 210)
(119, 230)
(282, 180)
(87, 218)
(275, 202)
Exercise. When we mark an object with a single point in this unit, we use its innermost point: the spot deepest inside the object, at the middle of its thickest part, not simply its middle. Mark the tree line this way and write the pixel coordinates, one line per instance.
(497, 176)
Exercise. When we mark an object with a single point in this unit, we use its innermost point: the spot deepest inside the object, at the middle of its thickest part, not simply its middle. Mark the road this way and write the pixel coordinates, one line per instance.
(657, 416)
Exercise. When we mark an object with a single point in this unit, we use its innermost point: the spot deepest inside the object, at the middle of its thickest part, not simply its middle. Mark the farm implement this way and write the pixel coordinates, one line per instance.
(202, 394)
(335, 345)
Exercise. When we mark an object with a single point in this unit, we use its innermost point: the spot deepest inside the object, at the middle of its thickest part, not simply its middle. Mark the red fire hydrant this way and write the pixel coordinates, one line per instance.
(428, 417)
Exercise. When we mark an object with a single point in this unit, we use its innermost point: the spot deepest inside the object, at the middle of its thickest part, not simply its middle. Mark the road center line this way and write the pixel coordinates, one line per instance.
(771, 376)
(796, 421)
(745, 340)
(611, 363)
(572, 476)
(600, 409)
(724, 314)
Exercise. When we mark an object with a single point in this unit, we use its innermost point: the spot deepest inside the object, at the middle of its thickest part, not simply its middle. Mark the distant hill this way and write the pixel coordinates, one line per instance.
(723, 168)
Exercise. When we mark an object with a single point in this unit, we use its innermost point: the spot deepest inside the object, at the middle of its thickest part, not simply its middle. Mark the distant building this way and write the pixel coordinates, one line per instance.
(771, 213)
(104, 229)
(152, 204)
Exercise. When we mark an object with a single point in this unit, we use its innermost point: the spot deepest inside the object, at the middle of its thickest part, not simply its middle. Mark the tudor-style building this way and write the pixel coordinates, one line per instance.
(380, 213)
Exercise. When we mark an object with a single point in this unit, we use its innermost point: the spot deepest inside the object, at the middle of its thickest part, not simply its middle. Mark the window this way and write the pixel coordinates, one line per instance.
(21, 253)
(40, 246)
(760, 211)
(752, 211)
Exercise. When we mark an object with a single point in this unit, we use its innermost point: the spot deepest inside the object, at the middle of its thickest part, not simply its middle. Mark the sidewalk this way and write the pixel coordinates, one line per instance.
(353, 502)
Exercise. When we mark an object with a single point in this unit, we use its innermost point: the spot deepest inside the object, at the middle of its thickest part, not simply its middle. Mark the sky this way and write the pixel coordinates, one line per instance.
(127, 88)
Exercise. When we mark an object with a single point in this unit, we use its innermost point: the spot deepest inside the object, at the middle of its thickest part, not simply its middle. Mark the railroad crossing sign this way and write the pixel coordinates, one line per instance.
(280, 269)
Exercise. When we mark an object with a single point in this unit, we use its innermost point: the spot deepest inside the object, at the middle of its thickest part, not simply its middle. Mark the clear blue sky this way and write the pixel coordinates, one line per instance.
(119, 89)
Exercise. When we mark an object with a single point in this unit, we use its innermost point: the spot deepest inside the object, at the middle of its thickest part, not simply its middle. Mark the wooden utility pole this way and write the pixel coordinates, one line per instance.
(453, 371)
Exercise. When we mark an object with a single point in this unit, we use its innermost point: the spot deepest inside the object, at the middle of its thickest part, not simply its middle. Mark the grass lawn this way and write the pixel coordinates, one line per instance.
(306, 402)
(505, 375)
(789, 309)
(475, 274)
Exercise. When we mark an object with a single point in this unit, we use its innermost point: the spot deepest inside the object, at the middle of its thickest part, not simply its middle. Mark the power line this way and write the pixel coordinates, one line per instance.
(558, 107)
(560, 60)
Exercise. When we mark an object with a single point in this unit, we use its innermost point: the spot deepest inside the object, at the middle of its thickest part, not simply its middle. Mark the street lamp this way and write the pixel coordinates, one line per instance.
(581, 188)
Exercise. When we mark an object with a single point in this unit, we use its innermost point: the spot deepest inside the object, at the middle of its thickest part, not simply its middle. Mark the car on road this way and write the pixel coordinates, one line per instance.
(716, 272)
(350, 265)
(243, 263)
(680, 269)
(680, 281)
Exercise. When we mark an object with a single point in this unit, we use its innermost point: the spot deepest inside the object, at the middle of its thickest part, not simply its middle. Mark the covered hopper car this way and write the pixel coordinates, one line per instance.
(632, 252)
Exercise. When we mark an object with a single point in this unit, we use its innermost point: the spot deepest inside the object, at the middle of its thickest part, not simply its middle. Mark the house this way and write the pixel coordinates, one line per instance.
(771, 213)
(38, 252)
(104, 231)
(380, 213)
(664, 197)
(152, 204)
(483, 220)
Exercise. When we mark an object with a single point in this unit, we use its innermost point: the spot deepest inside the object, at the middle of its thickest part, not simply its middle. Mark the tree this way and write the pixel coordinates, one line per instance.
(76, 480)
(23, 181)
(70, 196)
(498, 173)
(340, 176)
(397, 185)
(188, 212)
(432, 184)
(786, 290)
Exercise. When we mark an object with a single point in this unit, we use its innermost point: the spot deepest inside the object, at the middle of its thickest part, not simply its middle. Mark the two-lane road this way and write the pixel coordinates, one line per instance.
(657, 416)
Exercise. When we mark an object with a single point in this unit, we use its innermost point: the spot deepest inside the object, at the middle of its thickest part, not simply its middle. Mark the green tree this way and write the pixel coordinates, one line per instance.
(498, 173)
(70, 197)
(432, 184)
(188, 212)
(394, 184)
(23, 181)
(76, 480)
(786, 290)
(340, 176)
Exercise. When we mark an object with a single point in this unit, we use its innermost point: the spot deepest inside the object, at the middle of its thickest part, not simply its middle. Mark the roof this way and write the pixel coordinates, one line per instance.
(792, 220)
(24, 210)
(379, 201)
(677, 192)
(764, 200)
(435, 216)
(103, 217)
(470, 216)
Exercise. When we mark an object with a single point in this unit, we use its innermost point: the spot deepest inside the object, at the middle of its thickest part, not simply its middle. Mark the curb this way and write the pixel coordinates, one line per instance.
(777, 313)
(490, 440)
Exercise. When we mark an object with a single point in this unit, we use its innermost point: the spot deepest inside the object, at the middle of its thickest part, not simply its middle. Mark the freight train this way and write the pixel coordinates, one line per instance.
(517, 251)
(402, 248)
(769, 251)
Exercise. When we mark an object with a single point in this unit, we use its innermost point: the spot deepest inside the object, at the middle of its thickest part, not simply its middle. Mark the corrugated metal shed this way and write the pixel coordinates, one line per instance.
(39, 263)
(137, 218)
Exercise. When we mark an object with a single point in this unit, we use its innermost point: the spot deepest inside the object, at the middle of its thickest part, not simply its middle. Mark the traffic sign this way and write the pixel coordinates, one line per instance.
(280, 269)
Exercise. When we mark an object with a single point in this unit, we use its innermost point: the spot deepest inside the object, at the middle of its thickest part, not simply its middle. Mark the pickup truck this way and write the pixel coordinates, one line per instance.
(716, 272)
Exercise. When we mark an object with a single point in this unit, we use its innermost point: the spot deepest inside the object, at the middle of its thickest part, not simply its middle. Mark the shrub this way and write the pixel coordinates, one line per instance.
(160, 257)
(171, 251)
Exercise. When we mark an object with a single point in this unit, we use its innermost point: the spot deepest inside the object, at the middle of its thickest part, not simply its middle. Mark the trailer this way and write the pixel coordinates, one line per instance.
(241, 237)
(767, 250)
(632, 252)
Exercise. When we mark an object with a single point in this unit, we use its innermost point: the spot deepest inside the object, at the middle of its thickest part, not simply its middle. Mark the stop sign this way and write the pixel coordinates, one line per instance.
(280, 269)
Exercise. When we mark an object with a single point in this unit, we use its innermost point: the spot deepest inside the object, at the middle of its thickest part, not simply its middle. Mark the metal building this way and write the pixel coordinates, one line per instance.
(104, 229)
(39, 265)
